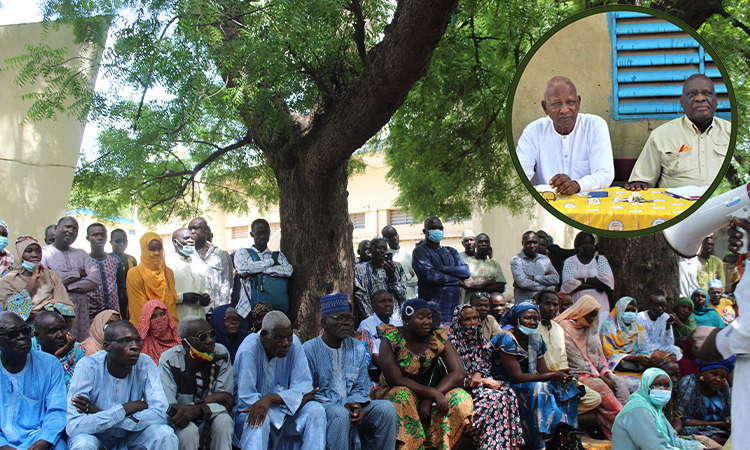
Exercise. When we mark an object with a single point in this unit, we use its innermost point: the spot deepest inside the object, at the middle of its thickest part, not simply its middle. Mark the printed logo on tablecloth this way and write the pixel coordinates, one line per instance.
(677, 204)
(616, 225)
(678, 212)
(657, 221)
(658, 207)
(635, 211)
(660, 201)
(595, 201)
(593, 210)
(570, 205)
(617, 207)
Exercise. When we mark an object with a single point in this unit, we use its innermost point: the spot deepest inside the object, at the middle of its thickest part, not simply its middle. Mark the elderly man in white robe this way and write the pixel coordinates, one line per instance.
(273, 391)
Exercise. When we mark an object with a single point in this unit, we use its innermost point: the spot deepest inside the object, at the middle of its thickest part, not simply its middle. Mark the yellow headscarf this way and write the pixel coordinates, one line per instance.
(150, 280)
(155, 265)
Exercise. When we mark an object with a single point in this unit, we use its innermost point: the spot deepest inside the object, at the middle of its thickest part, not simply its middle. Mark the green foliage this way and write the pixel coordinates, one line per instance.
(187, 81)
(446, 145)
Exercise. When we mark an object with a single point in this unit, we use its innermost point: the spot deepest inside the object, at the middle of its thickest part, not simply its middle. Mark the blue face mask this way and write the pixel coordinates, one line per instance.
(629, 317)
(435, 236)
(527, 331)
(188, 250)
(3, 243)
(660, 397)
(28, 265)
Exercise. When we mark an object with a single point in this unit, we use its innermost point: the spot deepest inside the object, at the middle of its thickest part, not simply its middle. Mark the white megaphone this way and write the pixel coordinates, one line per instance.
(686, 237)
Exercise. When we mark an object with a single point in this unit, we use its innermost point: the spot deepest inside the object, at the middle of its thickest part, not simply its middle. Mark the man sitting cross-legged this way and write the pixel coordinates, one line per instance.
(273, 390)
(116, 400)
(339, 369)
(32, 391)
(197, 378)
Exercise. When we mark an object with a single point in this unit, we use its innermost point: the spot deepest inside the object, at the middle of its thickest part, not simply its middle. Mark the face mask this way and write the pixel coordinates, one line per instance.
(3, 243)
(200, 356)
(28, 265)
(528, 331)
(435, 236)
(187, 250)
(628, 317)
(660, 397)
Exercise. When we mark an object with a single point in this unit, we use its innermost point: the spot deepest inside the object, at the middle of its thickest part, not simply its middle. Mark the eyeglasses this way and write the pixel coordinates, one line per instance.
(234, 320)
(343, 318)
(127, 341)
(13, 334)
(26, 238)
(203, 337)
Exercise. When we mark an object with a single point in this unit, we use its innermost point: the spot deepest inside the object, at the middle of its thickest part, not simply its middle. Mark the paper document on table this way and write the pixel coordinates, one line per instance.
(688, 192)
(544, 188)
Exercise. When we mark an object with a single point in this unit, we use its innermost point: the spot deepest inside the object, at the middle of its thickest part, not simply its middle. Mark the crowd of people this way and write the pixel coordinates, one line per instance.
(99, 350)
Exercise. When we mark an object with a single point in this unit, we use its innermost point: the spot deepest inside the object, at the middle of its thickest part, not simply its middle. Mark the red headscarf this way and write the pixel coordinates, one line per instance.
(159, 335)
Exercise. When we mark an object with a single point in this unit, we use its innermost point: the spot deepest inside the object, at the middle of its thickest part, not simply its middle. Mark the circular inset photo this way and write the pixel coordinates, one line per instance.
(621, 121)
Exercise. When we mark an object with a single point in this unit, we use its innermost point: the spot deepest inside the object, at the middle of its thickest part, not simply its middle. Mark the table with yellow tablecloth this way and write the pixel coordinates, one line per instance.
(605, 213)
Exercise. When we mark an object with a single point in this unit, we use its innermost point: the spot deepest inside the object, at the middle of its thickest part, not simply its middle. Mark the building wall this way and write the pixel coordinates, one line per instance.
(582, 52)
(38, 159)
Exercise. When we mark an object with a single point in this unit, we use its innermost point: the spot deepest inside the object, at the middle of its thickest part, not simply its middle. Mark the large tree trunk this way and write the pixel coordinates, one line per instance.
(642, 266)
(316, 237)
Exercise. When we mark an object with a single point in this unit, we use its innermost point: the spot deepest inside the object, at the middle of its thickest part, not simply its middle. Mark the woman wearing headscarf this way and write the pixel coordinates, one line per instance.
(257, 313)
(151, 280)
(703, 313)
(158, 329)
(684, 322)
(496, 423)
(641, 425)
(547, 398)
(410, 358)
(30, 286)
(6, 259)
(95, 341)
(587, 273)
(226, 321)
(705, 401)
(587, 362)
(624, 339)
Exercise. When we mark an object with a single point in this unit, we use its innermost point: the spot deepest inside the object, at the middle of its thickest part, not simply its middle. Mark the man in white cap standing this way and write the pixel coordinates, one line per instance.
(467, 240)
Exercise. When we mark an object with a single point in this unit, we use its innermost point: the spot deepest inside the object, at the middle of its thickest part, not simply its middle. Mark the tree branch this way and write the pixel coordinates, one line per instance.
(723, 13)
(359, 30)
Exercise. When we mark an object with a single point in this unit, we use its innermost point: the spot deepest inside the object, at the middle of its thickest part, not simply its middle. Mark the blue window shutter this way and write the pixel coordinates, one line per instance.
(651, 59)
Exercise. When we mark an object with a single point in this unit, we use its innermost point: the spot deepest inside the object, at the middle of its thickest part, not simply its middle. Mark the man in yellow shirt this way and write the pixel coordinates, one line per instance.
(688, 151)
(722, 305)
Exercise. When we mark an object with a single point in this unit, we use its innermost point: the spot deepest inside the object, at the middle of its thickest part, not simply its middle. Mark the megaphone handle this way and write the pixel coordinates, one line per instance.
(744, 248)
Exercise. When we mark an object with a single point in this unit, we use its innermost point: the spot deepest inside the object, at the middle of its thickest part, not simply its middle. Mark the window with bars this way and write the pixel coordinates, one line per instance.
(399, 217)
(240, 232)
(358, 220)
(652, 58)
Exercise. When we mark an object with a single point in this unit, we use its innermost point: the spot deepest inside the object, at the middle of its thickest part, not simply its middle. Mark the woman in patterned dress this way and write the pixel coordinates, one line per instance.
(496, 419)
(408, 357)
(587, 273)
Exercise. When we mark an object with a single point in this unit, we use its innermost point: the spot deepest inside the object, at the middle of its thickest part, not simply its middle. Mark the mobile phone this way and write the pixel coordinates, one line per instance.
(172, 410)
(389, 257)
(598, 194)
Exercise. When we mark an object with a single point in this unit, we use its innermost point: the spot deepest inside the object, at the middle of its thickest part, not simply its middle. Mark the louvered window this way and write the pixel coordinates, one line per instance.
(239, 232)
(651, 60)
(275, 227)
(399, 217)
(358, 220)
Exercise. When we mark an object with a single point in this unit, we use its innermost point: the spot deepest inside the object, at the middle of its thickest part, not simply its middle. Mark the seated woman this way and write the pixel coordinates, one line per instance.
(684, 322)
(226, 321)
(704, 314)
(151, 280)
(427, 416)
(95, 340)
(158, 330)
(547, 398)
(587, 273)
(496, 422)
(257, 313)
(641, 425)
(624, 343)
(30, 286)
(705, 401)
(587, 362)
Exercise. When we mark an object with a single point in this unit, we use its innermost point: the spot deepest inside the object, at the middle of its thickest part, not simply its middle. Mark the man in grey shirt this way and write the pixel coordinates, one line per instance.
(532, 272)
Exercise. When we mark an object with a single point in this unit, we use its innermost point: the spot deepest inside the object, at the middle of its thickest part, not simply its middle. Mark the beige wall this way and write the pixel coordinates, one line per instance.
(582, 51)
(37, 160)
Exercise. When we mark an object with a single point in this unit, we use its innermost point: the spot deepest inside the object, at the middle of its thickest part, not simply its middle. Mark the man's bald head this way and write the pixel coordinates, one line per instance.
(561, 103)
(114, 329)
(9, 319)
(699, 101)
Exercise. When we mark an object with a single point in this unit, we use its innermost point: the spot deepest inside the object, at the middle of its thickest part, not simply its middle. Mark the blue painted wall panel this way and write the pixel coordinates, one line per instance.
(645, 76)
(661, 90)
(656, 107)
(656, 44)
(658, 60)
(644, 28)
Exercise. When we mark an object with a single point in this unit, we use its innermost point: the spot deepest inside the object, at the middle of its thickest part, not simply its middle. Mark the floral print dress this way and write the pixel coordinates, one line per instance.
(444, 431)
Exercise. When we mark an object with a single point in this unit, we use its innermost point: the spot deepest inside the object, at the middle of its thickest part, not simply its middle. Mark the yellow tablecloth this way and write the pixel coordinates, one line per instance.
(606, 214)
